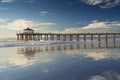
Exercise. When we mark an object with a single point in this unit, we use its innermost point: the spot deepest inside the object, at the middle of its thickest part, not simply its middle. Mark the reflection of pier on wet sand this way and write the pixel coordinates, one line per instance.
(62, 47)
(30, 52)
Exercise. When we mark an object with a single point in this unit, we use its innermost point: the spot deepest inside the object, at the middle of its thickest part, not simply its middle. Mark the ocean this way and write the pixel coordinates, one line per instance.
(59, 60)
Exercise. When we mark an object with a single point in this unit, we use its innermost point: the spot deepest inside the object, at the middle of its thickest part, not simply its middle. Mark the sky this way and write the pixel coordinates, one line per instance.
(60, 16)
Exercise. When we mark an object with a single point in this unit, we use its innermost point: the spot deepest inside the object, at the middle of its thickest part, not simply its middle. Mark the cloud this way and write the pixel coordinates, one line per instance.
(107, 75)
(96, 26)
(102, 3)
(97, 78)
(15, 60)
(2, 20)
(20, 24)
(46, 13)
(97, 56)
(92, 2)
(43, 13)
(7, 1)
(101, 55)
(31, 1)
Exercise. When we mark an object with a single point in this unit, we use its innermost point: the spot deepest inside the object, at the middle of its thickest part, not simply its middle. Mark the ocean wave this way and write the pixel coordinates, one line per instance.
(14, 43)
(21, 43)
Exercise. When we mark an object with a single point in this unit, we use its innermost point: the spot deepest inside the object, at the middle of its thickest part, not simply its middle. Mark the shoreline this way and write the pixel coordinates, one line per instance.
(96, 43)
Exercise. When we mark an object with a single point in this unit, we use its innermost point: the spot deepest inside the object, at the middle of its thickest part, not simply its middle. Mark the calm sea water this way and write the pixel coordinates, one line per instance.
(61, 62)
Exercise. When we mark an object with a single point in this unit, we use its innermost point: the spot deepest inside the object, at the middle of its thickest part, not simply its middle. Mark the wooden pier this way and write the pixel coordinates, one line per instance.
(29, 35)
(64, 36)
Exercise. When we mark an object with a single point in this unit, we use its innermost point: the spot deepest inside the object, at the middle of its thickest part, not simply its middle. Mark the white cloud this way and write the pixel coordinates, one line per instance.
(92, 2)
(102, 25)
(15, 60)
(102, 3)
(31, 1)
(20, 24)
(46, 13)
(43, 13)
(97, 78)
(97, 56)
(96, 26)
(2, 20)
(7, 1)
(107, 75)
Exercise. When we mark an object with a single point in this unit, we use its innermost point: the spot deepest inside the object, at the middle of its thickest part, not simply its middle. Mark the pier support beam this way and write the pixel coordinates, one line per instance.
(58, 37)
(25, 37)
(52, 37)
(18, 36)
(78, 37)
(46, 37)
(71, 37)
(99, 41)
(106, 39)
(38, 36)
(33, 37)
(41, 37)
(99, 37)
(91, 37)
(114, 41)
(84, 37)
(30, 37)
(64, 37)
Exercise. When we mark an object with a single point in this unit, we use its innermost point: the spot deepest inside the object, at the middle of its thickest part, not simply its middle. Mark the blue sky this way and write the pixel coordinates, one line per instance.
(59, 16)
